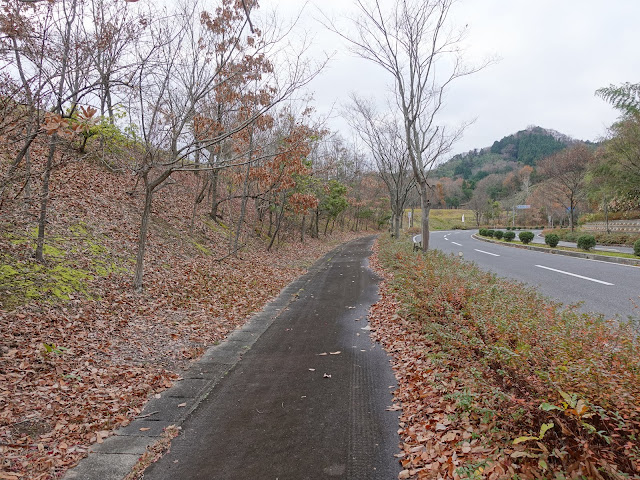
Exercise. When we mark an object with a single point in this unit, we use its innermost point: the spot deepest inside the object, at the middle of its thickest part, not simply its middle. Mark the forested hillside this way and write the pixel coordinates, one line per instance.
(520, 169)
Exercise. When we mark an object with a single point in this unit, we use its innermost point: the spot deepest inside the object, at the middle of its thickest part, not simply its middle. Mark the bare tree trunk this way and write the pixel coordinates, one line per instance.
(426, 209)
(304, 218)
(45, 199)
(245, 194)
(198, 200)
(142, 239)
(214, 195)
(278, 222)
(396, 226)
(149, 188)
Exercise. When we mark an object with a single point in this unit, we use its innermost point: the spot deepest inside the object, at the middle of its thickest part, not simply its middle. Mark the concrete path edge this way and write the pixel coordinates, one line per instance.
(116, 456)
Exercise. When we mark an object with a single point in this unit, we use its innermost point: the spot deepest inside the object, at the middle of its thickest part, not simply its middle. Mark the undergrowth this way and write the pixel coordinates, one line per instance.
(73, 261)
(559, 388)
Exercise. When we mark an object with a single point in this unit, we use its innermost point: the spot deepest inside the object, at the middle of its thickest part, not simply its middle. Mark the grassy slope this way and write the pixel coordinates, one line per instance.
(444, 219)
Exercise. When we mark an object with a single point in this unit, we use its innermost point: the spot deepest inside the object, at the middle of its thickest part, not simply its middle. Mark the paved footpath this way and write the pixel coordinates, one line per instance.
(289, 409)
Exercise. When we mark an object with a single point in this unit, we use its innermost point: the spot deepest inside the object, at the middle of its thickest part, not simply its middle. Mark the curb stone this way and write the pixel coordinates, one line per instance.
(116, 456)
(589, 256)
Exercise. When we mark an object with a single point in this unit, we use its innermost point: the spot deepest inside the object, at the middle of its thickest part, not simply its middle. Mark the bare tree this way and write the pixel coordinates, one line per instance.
(386, 143)
(413, 43)
(566, 173)
(180, 77)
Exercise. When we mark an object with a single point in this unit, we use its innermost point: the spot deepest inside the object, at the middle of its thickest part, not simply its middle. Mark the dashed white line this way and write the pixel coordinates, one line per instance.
(488, 253)
(575, 275)
(456, 243)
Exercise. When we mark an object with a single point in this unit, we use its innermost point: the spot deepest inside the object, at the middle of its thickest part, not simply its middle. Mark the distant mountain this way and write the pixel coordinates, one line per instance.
(525, 147)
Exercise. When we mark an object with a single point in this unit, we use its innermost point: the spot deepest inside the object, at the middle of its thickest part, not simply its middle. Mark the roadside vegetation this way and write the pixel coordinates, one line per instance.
(496, 381)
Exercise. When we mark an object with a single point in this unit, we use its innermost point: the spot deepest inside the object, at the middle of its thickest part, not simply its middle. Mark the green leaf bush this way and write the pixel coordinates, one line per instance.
(509, 235)
(525, 237)
(586, 242)
(498, 234)
(552, 240)
(490, 233)
(636, 247)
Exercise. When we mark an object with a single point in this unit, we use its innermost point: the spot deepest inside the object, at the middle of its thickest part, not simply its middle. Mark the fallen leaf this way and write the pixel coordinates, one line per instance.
(326, 375)
(404, 474)
(335, 353)
(145, 429)
(323, 354)
(182, 404)
(449, 437)
(366, 328)
(312, 369)
(9, 476)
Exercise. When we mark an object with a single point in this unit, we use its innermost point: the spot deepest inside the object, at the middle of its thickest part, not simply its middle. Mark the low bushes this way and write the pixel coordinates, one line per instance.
(586, 242)
(509, 235)
(636, 247)
(498, 234)
(552, 240)
(602, 238)
(525, 237)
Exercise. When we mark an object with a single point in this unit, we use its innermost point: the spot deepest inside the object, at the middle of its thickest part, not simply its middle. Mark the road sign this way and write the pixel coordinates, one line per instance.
(523, 207)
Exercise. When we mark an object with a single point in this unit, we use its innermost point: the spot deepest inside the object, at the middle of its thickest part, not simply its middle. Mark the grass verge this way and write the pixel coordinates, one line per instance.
(527, 388)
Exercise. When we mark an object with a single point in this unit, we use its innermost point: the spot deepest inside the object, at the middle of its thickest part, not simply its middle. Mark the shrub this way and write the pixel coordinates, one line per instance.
(498, 234)
(586, 242)
(525, 237)
(484, 330)
(508, 228)
(508, 236)
(490, 233)
(483, 232)
(552, 240)
(636, 247)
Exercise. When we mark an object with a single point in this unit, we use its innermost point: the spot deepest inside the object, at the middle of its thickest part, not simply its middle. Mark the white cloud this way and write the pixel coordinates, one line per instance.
(554, 55)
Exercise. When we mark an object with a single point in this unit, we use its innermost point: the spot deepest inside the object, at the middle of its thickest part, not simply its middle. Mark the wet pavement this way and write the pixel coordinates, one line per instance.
(308, 397)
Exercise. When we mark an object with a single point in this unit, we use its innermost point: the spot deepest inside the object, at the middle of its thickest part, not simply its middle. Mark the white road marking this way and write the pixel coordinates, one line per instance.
(575, 275)
(455, 243)
(607, 249)
(488, 253)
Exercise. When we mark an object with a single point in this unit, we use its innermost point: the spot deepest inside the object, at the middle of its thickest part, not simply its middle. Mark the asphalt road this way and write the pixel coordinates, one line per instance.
(308, 400)
(601, 287)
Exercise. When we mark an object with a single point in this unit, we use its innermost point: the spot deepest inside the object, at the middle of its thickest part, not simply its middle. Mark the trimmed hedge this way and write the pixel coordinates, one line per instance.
(508, 236)
(552, 240)
(525, 237)
(586, 242)
(636, 248)
(498, 234)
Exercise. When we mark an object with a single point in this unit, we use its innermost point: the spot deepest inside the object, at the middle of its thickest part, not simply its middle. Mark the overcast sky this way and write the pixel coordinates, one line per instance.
(553, 56)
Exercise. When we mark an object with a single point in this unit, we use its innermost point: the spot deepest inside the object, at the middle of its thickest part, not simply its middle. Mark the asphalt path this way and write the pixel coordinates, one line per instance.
(601, 287)
(309, 399)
